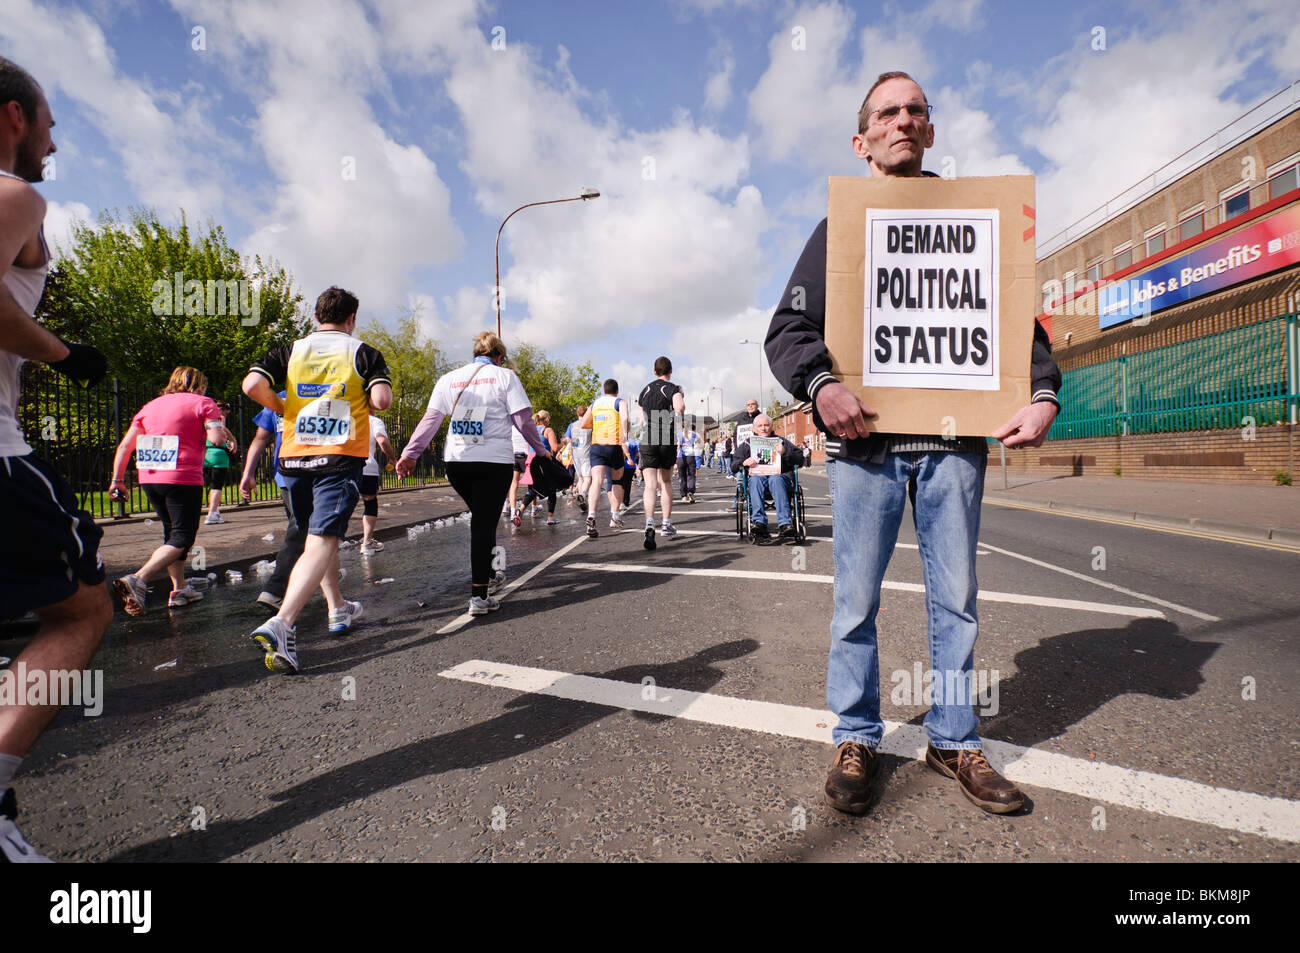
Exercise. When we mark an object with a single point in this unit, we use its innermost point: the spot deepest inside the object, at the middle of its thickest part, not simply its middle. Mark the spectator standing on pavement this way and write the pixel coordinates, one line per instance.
(370, 479)
(485, 401)
(871, 475)
(663, 404)
(216, 468)
(56, 571)
(270, 430)
(687, 445)
(333, 382)
(167, 438)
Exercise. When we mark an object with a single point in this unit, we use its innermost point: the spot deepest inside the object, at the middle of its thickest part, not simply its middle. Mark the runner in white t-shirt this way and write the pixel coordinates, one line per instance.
(370, 486)
(579, 441)
(485, 401)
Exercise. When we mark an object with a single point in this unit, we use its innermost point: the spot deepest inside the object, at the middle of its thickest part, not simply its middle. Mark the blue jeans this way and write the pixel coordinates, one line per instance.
(867, 507)
(781, 486)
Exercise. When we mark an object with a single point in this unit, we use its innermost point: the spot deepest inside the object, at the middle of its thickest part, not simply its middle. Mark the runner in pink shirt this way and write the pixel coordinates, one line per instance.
(168, 437)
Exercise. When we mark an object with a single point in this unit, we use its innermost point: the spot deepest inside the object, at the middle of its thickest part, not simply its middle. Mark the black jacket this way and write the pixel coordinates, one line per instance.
(791, 456)
(796, 349)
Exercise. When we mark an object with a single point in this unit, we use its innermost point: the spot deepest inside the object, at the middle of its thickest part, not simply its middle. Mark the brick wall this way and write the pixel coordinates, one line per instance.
(1204, 456)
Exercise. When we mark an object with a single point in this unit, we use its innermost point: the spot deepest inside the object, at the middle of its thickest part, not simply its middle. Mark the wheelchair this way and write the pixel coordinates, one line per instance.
(744, 518)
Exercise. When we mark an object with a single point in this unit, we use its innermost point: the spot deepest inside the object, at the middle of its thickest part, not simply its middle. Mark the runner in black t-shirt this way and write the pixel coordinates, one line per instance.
(663, 403)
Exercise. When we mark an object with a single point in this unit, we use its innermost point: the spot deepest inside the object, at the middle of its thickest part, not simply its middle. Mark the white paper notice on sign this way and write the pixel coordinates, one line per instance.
(931, 299)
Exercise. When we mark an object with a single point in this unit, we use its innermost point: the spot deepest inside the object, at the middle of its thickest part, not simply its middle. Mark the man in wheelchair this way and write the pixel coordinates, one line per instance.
(779, 485)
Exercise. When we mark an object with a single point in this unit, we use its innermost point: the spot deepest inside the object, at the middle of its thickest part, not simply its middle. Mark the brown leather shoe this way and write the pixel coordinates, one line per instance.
(975, 776)
(848, 786)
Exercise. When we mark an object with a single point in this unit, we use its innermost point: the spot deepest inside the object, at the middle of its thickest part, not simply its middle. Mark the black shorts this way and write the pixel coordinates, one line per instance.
(52, 545)
(215, 478)
(179, 506)
(608, 455)
(657, 458)
(520, 459)
(370, 484)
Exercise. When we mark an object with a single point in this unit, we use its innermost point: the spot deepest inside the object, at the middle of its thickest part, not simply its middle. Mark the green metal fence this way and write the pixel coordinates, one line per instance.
(1211, 383)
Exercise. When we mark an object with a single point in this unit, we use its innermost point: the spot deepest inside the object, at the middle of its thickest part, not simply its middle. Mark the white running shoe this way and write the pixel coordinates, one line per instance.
(270, 601)
(550, 519)
(369, 549)
(213, 520)
(280, 643)
(650, 536)
(341, 619)
(14, 848)
(133, 592)
(668, 529)
(183, 597)
(616, 522)
(479, 606)
(497, 581)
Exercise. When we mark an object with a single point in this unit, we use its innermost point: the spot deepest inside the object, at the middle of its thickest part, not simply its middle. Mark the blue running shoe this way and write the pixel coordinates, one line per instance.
(280, 643)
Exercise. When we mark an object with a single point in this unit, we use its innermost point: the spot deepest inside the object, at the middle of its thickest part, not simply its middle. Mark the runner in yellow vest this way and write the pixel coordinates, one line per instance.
(332, 383)
(608, 419)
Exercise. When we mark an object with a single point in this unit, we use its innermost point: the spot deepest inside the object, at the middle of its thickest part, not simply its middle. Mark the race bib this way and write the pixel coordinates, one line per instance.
(324, 423)
(466, 425)
(157, 452)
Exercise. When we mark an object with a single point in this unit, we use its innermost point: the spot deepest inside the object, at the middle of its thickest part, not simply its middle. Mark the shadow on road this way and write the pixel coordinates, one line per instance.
(539, 719)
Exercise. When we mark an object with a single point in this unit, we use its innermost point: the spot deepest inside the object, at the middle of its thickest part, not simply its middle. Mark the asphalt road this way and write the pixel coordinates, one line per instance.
(534, 733)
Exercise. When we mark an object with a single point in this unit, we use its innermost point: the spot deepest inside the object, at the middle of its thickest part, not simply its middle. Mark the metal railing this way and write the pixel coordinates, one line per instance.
(1244, 126)
(77, 430)
(1245, 377)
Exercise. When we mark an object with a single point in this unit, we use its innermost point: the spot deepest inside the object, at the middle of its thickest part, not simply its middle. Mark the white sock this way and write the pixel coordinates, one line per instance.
(9, 764)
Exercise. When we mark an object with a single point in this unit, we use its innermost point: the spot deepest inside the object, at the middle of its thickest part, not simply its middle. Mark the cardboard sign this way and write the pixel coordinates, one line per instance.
(930, 299)
(763, 449)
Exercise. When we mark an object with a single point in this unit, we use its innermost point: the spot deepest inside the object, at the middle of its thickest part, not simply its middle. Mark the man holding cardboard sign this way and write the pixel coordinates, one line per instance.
(917, 293)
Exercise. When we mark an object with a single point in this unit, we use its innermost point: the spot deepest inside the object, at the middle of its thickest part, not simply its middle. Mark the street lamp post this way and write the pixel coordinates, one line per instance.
(760, 368)
(585, 194)
(722, 406)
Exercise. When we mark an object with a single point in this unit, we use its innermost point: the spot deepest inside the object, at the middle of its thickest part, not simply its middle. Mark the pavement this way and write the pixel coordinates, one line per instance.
(1217, 510)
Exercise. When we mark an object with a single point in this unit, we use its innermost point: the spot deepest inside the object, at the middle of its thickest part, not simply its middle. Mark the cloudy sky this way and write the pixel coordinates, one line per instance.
(378, 145)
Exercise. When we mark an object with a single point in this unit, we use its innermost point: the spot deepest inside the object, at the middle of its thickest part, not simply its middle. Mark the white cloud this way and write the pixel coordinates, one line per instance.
(806, 103)
(351, 205)
(717, 91)
(970, 137)
(166, 156)
(1115, 116)
(672, 240)
(59, 220)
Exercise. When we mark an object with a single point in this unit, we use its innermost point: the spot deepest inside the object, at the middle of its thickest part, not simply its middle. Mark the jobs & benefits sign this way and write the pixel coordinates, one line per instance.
(931, 299)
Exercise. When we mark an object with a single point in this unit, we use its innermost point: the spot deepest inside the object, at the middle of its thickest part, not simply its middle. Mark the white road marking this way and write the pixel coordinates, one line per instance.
(464, 618)
(1139, 612)
(1105, 585)
(1272, 817)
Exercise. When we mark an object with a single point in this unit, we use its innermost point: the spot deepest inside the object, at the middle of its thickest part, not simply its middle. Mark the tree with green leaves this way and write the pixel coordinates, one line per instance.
(554, 386)
(153, 297)
(414, 363)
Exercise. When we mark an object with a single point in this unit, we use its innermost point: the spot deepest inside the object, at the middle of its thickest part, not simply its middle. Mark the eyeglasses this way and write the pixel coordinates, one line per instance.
(888, 114)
